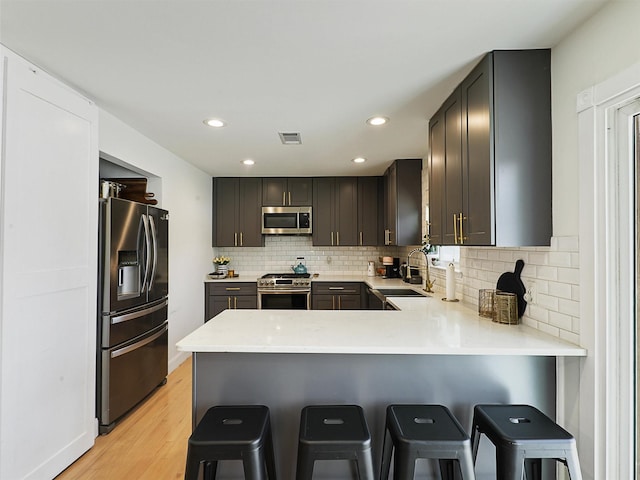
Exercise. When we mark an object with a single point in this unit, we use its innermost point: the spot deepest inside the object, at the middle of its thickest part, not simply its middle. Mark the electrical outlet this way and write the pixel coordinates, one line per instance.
(530, 295)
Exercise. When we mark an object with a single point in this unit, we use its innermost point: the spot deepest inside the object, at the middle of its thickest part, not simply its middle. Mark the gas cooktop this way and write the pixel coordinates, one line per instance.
(285, 281)
(286, 275)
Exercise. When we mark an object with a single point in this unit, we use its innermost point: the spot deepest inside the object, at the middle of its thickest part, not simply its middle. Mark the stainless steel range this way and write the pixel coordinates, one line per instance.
(284, 291)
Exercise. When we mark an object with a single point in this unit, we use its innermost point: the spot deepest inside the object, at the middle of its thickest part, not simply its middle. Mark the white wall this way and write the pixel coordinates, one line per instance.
(606, 44)
(186, 193)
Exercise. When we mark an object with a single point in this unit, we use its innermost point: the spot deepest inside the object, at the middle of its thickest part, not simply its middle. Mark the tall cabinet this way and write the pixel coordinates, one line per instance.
(492, 185)
(48, 251)
(403, 203)
(335, 211)
(236, 212)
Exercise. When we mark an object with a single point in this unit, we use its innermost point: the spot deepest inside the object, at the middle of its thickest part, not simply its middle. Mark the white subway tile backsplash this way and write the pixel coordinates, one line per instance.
(569, 307)
(560, 320)
(554, 270)
(560, 290)
(569, 275)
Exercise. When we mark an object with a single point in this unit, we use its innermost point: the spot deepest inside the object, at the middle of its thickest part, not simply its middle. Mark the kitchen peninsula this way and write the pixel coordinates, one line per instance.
(429, 351)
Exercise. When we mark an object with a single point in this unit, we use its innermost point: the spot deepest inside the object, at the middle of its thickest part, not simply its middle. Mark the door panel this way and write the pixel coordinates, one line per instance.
(159, 220)
(49, 218)
(477, 152)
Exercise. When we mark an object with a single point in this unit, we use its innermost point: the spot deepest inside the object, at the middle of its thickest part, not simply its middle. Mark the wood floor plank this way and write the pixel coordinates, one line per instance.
(150, 443)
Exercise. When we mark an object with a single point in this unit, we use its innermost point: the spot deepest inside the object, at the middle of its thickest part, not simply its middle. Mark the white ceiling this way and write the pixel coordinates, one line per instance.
(318, 67)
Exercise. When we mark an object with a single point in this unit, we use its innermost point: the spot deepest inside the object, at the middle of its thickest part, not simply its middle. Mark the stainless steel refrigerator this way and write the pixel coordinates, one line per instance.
(132, 306)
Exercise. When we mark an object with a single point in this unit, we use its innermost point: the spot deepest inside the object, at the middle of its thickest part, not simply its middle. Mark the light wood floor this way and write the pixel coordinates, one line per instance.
(150, 443)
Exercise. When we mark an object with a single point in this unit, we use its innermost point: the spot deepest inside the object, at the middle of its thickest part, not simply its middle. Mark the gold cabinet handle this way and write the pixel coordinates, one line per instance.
(289, 198)
(284, 198)
(339, 302)
(461, 234)
(455, 229)
(235, 302)
(361, 241)
(235, 239)
(232, 289)
(332, 239)
(229, 303)
(241, 240)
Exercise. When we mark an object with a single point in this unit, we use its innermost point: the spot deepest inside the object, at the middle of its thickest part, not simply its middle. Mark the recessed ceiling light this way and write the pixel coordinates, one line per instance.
(248, 161)
(214, 122)
(359, 160)
(377, 121)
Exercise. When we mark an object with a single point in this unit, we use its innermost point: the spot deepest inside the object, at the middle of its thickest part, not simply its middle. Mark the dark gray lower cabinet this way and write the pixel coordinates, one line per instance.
(228, 295)
(336, 295)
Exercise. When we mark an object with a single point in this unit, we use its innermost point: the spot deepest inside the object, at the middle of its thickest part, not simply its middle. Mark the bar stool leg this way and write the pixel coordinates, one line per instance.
(404, 465)
(475, 441)
(304, 467)
(210, 469)
(364, 464)
(193, 466)
(533, 468)
(253, 465)
(573, 465)
(509, 465)
(446, 469)
(466, 464)
(271, 459)
(387, 451)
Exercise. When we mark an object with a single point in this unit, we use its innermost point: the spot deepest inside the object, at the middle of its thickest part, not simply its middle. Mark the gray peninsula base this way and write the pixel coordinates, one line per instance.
(287, 382)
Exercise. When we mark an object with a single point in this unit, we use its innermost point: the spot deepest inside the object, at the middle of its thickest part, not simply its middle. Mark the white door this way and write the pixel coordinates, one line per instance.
(48, 231)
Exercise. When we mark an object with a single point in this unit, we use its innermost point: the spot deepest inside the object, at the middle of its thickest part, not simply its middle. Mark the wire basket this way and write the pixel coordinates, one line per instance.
(486, 303)
(506, 308)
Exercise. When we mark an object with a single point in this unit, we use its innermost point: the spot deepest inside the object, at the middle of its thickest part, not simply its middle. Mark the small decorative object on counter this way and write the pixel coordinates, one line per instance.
(450, 284)
(222, 265)
(486, 303)
(371, 269)
(506, 307)
(511, 282)
(299, 268)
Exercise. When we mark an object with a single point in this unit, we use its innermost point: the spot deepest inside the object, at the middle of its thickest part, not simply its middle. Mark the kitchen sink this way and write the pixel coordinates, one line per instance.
(400, 292)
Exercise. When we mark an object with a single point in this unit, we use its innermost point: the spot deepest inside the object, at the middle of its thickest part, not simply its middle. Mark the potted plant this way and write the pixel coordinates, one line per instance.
(222, 264)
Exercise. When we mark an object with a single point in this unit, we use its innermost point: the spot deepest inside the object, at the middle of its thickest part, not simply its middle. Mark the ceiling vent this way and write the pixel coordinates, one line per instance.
(290, 138)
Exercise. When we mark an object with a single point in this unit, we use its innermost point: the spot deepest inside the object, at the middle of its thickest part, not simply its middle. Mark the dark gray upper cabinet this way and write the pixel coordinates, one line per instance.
(335, 211)
(403, 203)
(284, 191)
(495, 189)
(237, 212)
(445, 170)
(370, 211)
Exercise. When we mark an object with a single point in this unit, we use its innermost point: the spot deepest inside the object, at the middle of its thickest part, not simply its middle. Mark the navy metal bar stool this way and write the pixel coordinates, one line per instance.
(334, 432)
(523, 436)
(232, 433)
(424, 431)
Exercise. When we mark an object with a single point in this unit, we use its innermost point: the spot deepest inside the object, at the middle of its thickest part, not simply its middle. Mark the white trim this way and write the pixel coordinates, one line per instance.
(607, 275)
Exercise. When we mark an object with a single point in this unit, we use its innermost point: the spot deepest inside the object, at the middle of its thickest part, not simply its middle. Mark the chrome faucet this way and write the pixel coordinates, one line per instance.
(428, 283)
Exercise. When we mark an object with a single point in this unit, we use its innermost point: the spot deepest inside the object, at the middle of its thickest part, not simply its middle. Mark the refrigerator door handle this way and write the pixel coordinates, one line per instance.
(147, 252)
(154, 242)
(130, 348)
(138, 314)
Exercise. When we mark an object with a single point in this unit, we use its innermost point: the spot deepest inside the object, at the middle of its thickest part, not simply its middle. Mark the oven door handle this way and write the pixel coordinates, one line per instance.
(282, 290)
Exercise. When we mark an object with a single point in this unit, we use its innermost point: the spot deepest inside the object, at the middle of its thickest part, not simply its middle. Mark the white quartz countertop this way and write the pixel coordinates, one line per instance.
(423, 326)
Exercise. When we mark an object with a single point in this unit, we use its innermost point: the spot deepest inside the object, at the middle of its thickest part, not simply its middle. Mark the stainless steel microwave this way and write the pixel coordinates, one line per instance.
(286, 220)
